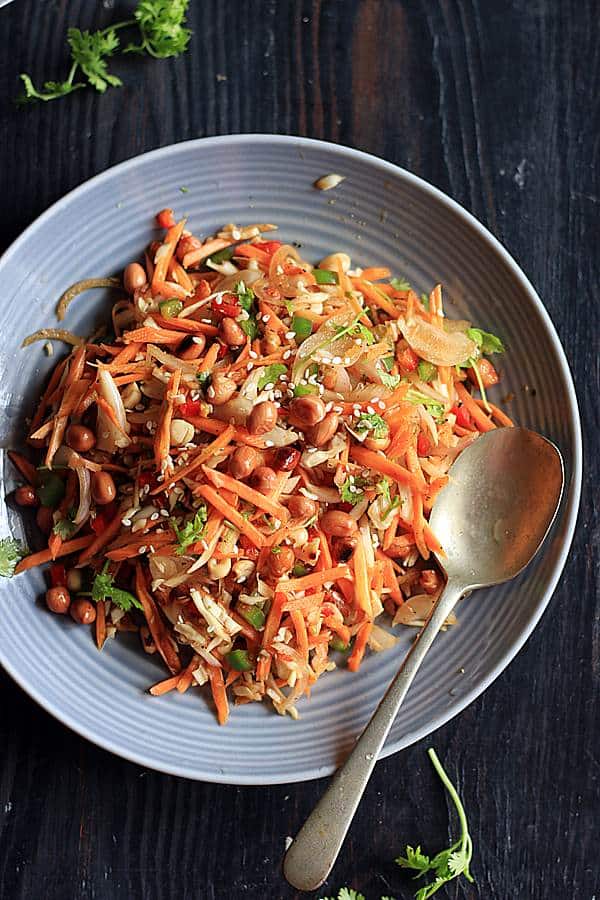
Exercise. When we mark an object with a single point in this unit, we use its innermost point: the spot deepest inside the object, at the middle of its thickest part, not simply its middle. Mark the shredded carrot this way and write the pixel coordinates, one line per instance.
(325, 561)
(27, 470)
(100, 541)
(273, 321)
(361, 577)
(195, 256)
(164, 254)
(220, 480)
(381, 464)
(360, 645)
(498, 414)
(209, 359)
(263, 666)
(150, 335)
(100, 624)
(251, 251)
(231, 514)
(478, 416)
(162, 438)
(315, 579)
(300, 629)
(191, 326)
(156, 625)
(163, 687)
(376, 298)
(123, 357)
(273, 618)
(375, 273)
(203, 454)
(44, 556)
(132, 549)
(219, 693)
(54, 544)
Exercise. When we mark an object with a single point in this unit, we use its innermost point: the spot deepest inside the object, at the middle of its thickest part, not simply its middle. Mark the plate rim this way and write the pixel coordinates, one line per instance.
(571, 499)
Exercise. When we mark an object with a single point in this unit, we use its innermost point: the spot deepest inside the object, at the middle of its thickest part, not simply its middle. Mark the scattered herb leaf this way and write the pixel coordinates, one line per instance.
(271, 375)
(351, 490)
(192, 531)
(374, 423)
(11, 552)
(104, 589)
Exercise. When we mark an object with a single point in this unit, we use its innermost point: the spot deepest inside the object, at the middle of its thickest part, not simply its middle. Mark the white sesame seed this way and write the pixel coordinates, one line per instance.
(198, 340)
(154, 517)
(139, 407)
(290, 335)
(266, 317)
(171, 486)
(374, 400)
(142, 550)
(249, 367)
(287, 354)
(338, 409)
(126, 522)
(347, 360)
(370, 410)
(207, 321)
(269, 386)
(269, 443)
(381, 404)
(253, 354)
(336, 360)
(165, 513)
(151, 548)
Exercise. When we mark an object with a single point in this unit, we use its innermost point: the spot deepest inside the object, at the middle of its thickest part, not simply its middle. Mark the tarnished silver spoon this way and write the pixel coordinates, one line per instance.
(491, 519)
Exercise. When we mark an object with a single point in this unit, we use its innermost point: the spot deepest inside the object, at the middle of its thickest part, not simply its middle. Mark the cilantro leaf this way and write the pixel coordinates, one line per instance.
(11, 552)
(487, 343)
(192, 531)
(347, 894)
(400, 284)
(450, 863)
(351, 490)
(65, 528)
(249, 326)
(104, 589)
(356, 330)
(373, 423)
(271, 375)
(162, 26)
(434, 407)
(245, 295)
(88, 51)
(52, 90)
(391, 381)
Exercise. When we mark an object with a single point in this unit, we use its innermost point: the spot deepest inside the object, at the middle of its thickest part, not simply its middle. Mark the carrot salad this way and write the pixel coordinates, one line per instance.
(240, 467)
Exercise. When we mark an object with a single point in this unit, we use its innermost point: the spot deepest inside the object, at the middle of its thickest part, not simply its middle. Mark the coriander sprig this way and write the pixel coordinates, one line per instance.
(448, 864)
(161, 26)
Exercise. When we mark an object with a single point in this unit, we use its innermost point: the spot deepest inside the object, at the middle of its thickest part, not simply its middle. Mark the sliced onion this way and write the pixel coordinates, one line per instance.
(85, 496)
(452, 325)
(380, 639)
(66, 457)
(324, 346)
(248, 276)
(171, 362)
(288, 285)
(437, 346)
(110, 435)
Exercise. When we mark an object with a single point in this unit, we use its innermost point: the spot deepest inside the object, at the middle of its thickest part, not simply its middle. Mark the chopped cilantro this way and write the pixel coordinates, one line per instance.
(435, 407)
(244, 294)
(400, 284)
(351, 490)
(249, 326)
(192, 531)
(271, 375)
(104, 589)
(303, 390)
(391, 381)
(487, 343)
(373, 423)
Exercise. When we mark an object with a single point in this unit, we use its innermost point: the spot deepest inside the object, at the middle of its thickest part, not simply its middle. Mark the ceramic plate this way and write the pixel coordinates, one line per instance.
(381, 215)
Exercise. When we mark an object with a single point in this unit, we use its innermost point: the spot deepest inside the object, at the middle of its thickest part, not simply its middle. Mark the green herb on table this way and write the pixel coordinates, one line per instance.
(162, 31)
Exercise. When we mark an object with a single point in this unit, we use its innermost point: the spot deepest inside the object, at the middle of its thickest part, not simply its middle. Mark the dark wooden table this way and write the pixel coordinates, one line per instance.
(496, 103)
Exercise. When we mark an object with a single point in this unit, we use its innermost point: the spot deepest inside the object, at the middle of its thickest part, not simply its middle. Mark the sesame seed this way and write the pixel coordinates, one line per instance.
(253, 354)
(269, 386)
(269, 443)
(266, 317)
(338, 409)
(336, 360)
(381, 404)
(370, 410)
(171, 486)
(165, 513)
(142, 550)
(287, 354)
(347, 361)
(154, 517)
(151, 548)
(374, 400)
(198, 340)
(249, 367)
(139, 407)
(290, 335)
(126, 522)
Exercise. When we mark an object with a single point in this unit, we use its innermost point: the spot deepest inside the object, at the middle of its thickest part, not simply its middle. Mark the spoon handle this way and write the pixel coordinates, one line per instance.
(314, 850)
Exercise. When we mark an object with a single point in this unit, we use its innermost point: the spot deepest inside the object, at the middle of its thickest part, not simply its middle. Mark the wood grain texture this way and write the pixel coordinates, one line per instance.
(496, 103)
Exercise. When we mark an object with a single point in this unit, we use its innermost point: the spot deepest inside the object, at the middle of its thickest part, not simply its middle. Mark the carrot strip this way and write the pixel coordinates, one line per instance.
(375, 273)
(162, 438)
(149, 335)
(219, 693)
(378, 463)
(131, 550)
(300, 629)
(273, 321)
(220, 480)
(304, 604)
(251, 251)
(273, 618)
(315, 579)
(202, 423)
(164, 254)
(54, 544)
(124, 356)
(27, 470)
(231, 514)
(361, 577)
(44, 556)
(376, 298)
(325, 560)
(167, 290)
(52, 385)
(479, 417)
(100, 541)
(263, 667)
(190, 326)
(360, 645)
(100, 624)
(210, 358)
(204, 454)
(156, 625)
(163, 687)
(206, 250)
(498, 414)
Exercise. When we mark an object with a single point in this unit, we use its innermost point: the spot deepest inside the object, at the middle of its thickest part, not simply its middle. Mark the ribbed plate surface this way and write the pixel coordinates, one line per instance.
(381, 215)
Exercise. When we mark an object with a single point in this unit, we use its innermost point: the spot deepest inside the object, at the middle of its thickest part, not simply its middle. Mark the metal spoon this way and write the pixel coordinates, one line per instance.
(491, 519)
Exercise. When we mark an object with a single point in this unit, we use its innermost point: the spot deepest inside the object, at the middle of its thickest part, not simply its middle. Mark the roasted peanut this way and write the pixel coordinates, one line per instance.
(271, 342)
(264, 479)
(307, 411)
(134, 277)
(58, 600)
(338, 523)
(232, 333)
(103, 488)
(243, 462)
(287, 459)
(221, 389)
(331, 262)
(323, 431)
(181, 432)
(82, 611)
(80, 438)
(263, 418)
(300, 507)
(280, 561)
(26, 496)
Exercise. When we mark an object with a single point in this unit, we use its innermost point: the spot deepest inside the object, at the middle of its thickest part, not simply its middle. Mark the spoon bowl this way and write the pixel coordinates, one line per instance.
(494, 513)
(491, 518)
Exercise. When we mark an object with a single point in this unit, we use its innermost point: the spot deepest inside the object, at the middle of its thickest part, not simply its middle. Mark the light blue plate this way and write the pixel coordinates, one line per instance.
(381, 215)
